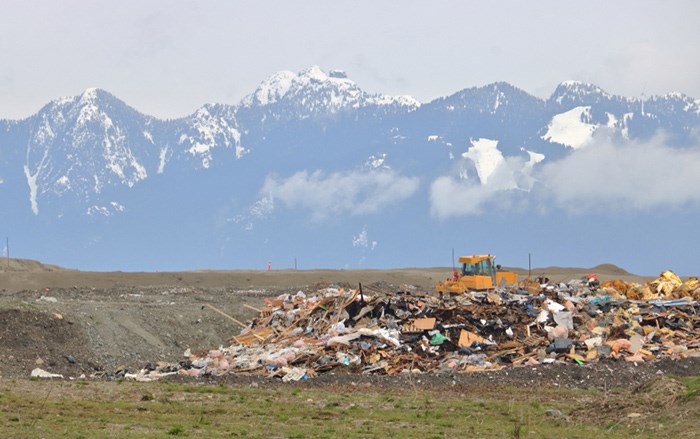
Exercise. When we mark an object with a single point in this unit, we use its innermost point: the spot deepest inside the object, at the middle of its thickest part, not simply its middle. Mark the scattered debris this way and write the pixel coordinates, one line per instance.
(41, 373)
(297, 336)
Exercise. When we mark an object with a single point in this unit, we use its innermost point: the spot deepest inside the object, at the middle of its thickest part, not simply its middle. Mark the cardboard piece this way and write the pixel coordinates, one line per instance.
(467, 338)
(418, 325)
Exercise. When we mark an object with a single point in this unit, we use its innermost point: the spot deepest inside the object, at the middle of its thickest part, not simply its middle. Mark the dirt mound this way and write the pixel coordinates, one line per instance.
(604, 271)
(30, 339)
(610, 269)
(26, 265)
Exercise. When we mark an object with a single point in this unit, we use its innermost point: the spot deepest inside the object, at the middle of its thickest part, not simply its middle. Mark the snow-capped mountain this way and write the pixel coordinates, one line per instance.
(314, 92)
(78, 146)
(304, 151)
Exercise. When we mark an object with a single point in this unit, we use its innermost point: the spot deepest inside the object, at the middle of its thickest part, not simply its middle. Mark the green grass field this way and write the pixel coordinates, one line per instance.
(89, 409)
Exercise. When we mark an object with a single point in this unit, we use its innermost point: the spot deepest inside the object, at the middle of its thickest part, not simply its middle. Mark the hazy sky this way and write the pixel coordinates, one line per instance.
(167, 58)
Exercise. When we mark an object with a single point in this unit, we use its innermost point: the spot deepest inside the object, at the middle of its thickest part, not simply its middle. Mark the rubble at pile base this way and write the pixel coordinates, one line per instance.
(372, 331)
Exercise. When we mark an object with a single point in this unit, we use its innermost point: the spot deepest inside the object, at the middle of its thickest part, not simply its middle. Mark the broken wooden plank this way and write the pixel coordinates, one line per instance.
(250, 338)
(226, 315)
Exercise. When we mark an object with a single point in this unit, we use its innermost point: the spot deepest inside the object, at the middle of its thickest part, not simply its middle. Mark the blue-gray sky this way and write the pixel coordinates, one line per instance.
(167, 58)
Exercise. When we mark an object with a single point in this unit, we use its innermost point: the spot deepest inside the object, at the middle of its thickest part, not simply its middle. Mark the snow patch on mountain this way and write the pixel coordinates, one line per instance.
(534, 158)
(62, 184)
(162, 158)
(211, 131)
(525, 176)
(499, 99)
(620, 124)
(33, 188)
(362, 240)
(486, 157)
(376, 162)
(112, 208)
(45, 133)
(572, 128)
(118, 161)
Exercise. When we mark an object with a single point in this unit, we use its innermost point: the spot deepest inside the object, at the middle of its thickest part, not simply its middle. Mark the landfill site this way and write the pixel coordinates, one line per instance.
(594, 328)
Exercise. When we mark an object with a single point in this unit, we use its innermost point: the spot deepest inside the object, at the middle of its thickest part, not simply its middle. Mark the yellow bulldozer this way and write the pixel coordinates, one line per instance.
(479, 272)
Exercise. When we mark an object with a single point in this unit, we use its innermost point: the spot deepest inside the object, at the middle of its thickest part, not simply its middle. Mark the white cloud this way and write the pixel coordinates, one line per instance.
(452, 195)
(339, 193)
(608, 174)
(624, 175)
(259, 210)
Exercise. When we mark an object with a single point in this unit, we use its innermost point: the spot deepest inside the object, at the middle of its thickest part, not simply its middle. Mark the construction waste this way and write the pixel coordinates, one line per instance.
(372, 331)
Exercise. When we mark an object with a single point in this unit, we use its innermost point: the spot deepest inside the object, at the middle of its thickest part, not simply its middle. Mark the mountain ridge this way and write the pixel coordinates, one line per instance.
(294, 155)
(566, 85)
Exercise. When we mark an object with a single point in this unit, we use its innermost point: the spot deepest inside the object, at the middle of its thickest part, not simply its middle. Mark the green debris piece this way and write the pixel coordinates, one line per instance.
(438, 339)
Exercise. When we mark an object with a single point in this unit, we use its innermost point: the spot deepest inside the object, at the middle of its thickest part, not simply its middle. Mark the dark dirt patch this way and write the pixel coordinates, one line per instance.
(30, 339)
(606, 377)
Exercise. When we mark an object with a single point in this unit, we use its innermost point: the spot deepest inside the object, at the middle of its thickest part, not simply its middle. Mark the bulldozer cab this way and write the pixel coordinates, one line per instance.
(479, 272)
(479, 266)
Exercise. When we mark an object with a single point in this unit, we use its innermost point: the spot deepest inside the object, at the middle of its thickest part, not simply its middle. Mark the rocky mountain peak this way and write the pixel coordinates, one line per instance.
(578, 93)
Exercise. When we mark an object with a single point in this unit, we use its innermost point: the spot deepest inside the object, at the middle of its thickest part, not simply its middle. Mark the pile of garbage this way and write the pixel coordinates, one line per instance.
(373, 331)
(667, 286)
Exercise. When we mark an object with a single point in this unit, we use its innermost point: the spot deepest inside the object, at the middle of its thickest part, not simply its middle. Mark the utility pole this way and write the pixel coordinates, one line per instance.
(7, 248)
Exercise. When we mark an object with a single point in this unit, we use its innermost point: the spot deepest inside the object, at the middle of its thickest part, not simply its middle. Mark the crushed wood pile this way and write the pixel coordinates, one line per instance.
(370, 331)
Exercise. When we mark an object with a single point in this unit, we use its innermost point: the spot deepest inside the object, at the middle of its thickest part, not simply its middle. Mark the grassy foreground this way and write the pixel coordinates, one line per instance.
(88, 409)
